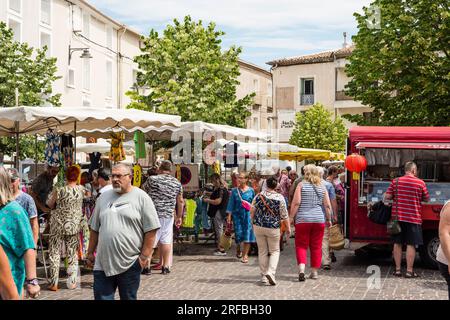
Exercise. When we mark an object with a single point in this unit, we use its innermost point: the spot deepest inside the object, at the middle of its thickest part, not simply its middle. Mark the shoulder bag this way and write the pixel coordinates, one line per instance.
(245, 204)
(393, 226)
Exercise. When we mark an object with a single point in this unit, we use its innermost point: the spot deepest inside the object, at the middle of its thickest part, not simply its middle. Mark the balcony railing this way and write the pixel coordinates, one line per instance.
(307, 99)
(340, 95)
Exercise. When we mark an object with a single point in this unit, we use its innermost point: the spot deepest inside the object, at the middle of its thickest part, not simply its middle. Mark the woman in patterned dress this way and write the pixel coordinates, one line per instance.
(269, 212)
(65, 224)
(241, 216)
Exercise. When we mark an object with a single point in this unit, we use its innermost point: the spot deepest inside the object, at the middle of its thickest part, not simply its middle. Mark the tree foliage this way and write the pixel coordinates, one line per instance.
(32, 73)
(401, 67)
(316, 129)
(187, 74)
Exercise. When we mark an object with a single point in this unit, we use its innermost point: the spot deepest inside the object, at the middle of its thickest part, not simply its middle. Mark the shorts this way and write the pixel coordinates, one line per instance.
(411, 234)
(164, 235)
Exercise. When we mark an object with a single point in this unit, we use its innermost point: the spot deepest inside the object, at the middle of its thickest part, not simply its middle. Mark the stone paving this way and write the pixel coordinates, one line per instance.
(197, 274)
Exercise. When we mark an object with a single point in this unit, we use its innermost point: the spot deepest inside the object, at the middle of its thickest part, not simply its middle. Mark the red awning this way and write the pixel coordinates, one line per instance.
(404, 145)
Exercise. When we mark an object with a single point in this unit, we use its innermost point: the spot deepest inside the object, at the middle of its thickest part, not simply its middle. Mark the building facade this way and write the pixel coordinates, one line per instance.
(254, 79)
(301, 81)
(73, 31)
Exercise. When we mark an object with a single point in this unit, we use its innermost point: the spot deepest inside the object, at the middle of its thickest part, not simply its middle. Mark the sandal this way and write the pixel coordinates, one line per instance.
(239, 255)
(411, 274)
(397, 273)
(244, 260)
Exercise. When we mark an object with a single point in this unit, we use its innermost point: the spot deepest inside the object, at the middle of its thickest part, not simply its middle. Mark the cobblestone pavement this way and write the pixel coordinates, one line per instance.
(197, 274)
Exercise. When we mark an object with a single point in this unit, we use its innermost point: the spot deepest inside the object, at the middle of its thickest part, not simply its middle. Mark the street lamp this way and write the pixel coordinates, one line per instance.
(85, 55)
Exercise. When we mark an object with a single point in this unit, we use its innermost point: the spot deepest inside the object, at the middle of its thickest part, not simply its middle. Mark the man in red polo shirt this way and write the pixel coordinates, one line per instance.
(411, 191)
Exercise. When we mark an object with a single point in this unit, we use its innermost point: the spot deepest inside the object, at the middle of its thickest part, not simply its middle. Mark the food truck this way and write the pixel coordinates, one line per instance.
(386, 150)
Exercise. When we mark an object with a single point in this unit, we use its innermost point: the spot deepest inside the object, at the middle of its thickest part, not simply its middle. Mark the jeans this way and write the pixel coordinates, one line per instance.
(444, 271)
(127, 282)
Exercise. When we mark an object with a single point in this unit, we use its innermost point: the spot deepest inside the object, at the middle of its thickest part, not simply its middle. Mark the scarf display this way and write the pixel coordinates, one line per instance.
(52, 148)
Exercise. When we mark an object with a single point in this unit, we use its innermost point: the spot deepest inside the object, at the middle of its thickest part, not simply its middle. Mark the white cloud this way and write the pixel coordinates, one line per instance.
(265, 29)
(241, 14)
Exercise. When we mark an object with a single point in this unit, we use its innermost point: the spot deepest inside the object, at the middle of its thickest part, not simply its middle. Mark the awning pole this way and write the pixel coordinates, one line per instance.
(16, 125)
(35, 155)
(75, 142)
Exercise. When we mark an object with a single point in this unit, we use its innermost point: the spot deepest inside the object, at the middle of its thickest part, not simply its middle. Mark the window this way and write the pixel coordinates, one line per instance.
(256, 123)
(109, 37)
(71, 78)
(46, 41)
(109, 80)
(269, 126)
(86, 74)
(16, 6)
(256, 85)
(269, 88)
(46, 12)
(86, 25)
(16, 27)
(307, 91)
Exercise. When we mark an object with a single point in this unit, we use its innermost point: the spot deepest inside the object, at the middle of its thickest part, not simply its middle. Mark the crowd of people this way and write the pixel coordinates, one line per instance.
(122, 224)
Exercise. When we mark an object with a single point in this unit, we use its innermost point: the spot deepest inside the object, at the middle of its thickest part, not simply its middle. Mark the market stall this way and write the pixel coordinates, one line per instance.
(15, 121)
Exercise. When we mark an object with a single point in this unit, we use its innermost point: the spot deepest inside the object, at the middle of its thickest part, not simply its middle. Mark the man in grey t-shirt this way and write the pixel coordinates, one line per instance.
(123, 229)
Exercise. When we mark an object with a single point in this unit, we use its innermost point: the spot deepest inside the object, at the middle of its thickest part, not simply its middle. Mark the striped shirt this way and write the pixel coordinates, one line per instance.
(411, 192)
(310, 209)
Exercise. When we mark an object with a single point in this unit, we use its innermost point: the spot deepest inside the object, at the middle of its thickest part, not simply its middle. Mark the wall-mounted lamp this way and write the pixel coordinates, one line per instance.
(85, 55)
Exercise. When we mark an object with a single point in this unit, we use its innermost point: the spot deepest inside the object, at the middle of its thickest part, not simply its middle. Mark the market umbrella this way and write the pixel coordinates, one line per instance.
(303, 154)
(19, 120)
(166, 132)
(37, 120)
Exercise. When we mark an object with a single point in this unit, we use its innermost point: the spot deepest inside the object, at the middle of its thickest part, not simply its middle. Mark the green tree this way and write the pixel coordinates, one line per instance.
(32, 73)
(400, 65)
(316, 129)
(187, 74)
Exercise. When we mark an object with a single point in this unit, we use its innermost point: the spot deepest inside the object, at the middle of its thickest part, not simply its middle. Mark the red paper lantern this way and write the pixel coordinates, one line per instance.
(356, 163)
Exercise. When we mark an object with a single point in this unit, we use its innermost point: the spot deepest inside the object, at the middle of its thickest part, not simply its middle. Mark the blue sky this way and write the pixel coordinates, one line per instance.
(265, 30)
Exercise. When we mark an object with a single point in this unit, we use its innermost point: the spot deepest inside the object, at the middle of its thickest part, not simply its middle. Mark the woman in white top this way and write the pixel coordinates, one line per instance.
(443, 253)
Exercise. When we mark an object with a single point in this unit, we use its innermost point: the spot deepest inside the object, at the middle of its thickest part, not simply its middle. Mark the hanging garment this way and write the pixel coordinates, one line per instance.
(191, 207)
(95, 159)
(139, 145)
(52, 150)
(67, 149)
(117, 152)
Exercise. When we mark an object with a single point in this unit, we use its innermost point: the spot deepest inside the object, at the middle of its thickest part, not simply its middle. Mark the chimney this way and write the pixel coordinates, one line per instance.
(345, 45)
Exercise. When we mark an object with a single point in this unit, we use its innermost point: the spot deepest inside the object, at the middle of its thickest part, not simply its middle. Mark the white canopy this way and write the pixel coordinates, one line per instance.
(262, 147)
(190, 128)
(104, 147)
(20, 120)
(200, 127)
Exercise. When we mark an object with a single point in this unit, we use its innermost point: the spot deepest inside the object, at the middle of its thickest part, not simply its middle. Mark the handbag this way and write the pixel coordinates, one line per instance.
(393, 226)
(336, 241)
(245, 204)
(379, 213)
(225, 238)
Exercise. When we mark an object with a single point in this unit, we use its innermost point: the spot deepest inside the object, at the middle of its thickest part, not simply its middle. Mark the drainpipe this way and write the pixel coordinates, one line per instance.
(272, 69)
(119, 66)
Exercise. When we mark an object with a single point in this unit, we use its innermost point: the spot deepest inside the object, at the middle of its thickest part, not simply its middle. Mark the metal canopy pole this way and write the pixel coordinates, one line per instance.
(16, 128)
(75, 142)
